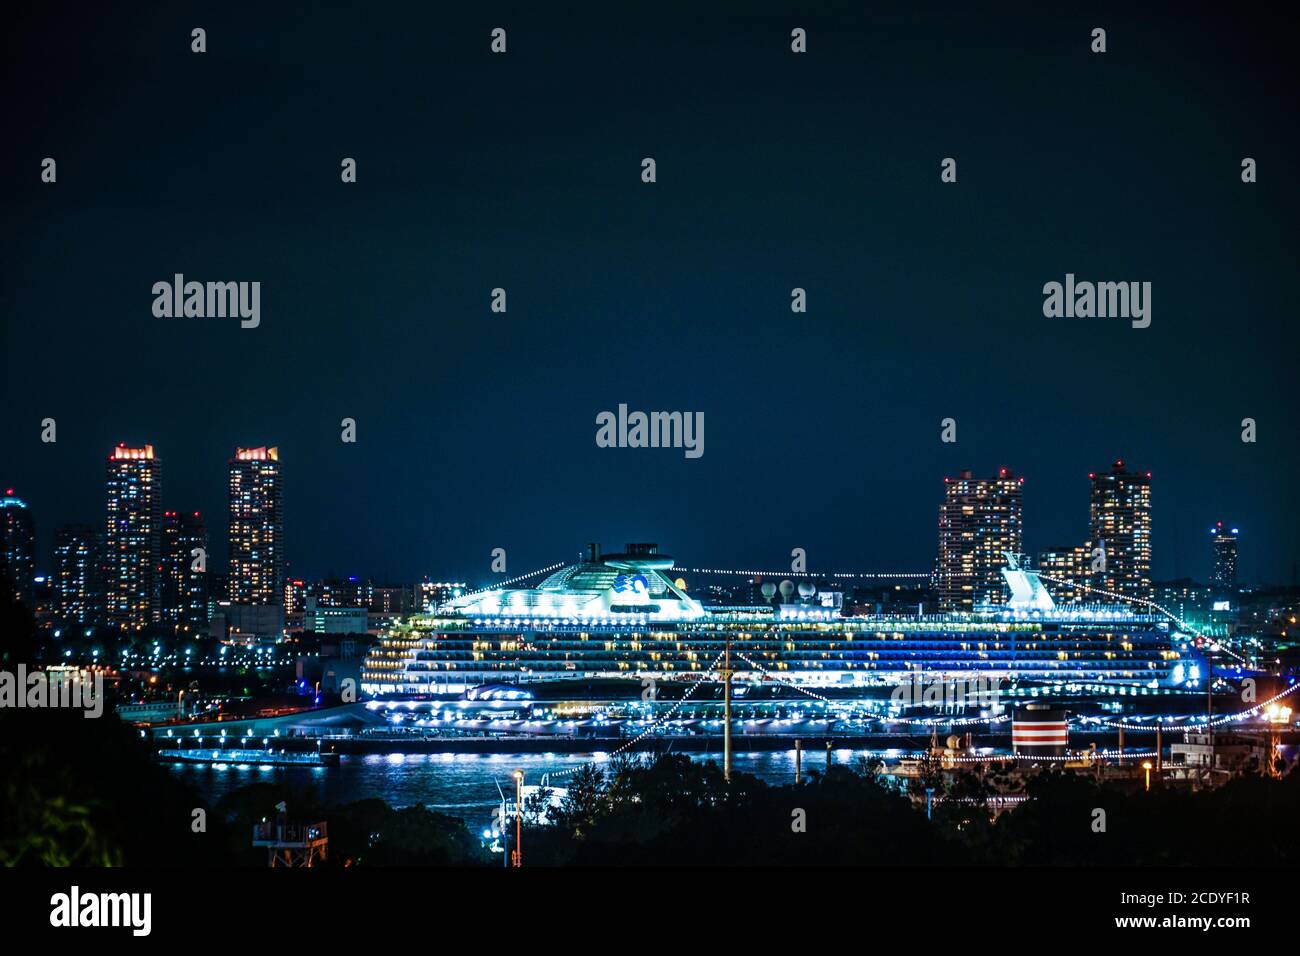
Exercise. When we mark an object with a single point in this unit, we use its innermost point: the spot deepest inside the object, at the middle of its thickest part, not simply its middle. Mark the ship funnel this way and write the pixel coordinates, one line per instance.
(1027, 591)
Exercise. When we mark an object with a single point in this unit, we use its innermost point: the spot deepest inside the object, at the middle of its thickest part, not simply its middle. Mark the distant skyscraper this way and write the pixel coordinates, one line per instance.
(1120, 524)
(295, 595)
(1223, 580)
(78, 581)
(397, 599)
(184, 570)
(218, 590)
(342, 592)
(1068, 565)
(1183, 597)
(429, 594)
(17, 548)
(256, 527)
(132, 542)
(980, 520)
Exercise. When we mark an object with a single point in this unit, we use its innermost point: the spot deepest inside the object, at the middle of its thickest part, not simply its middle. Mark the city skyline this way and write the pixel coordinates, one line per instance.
(263, 581)
(476, 429)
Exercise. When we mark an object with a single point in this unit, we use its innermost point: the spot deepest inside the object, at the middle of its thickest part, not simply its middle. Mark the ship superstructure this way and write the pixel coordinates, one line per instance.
(623, 616)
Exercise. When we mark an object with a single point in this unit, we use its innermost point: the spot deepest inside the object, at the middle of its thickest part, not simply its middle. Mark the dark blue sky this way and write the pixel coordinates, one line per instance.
(477, 430)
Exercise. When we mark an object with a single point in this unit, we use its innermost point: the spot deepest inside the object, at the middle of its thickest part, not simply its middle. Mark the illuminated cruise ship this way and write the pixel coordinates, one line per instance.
(624, 616)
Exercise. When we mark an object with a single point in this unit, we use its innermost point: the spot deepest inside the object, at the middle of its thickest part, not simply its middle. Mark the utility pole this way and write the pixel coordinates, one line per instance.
(1160, 762)
(1209, 700)
(798, 759)
(1121, 745)
(519, 818)
(1209, 710)
(726, 706)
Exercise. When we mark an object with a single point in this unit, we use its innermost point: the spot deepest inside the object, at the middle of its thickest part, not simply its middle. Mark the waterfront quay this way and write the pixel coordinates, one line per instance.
(765, 722)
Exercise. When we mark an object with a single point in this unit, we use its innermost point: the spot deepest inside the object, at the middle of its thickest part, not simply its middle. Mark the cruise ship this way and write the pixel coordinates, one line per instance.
(626, 617)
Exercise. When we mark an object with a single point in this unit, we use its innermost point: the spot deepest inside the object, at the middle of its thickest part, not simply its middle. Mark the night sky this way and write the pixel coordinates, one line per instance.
(775, 170)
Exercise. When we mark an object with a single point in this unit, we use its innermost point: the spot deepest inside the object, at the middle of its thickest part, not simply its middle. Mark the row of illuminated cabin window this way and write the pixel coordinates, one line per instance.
(378, 671)
(717, 637)
(405, 649)
(976, 659)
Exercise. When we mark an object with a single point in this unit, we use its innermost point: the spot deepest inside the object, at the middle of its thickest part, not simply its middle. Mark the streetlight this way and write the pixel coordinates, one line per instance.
(519, 818)
(1146, 765)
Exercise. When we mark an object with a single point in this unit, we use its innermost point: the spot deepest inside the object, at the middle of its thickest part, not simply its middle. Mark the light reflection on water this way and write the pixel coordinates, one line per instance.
(455, 783)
